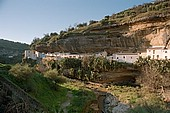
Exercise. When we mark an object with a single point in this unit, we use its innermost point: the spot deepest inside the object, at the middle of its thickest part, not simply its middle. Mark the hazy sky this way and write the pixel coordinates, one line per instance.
(23, 20)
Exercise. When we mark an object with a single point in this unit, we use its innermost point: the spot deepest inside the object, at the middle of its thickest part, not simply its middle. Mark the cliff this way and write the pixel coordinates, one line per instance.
(132, 30)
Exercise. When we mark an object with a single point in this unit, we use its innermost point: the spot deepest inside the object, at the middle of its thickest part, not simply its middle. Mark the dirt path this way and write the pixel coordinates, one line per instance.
(97, 104)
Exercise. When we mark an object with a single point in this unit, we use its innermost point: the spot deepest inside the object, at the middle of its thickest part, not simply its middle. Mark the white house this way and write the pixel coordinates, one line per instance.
(32, 54)
(158, 53)
(127, 57)
(124, 57)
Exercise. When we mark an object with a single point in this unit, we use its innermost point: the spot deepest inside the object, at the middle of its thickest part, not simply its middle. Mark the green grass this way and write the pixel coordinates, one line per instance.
(81, 96)
(51, 96)
(140, 99)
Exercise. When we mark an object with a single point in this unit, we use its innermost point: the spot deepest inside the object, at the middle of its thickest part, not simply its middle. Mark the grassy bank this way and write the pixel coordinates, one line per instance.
(53, 95)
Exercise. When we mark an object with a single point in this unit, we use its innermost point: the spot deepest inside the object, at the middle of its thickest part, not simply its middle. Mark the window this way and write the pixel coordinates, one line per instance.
(123, 56)
(165, 51)
(153, 56)
(131, 57)
(166, 57)
(149, 50)
(117, 57)
(157, 56)
(153, 51)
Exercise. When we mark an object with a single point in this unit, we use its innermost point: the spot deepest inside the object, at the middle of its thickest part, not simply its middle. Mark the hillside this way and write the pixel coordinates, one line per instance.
(11, 52)
(132, 30)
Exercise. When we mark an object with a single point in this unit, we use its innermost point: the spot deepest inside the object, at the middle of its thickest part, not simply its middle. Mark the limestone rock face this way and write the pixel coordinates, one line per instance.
(127, 37)
(112, 105)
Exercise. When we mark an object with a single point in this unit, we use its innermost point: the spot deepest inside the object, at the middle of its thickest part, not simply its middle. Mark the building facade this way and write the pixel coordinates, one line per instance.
(158, 53)
(32, 54)
(127, 57)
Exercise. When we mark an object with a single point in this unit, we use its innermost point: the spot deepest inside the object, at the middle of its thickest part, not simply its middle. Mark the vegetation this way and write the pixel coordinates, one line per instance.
(43, 90)
(49, 85)
(22, 72)
(88, 69)
(155, 73)
(11, 52)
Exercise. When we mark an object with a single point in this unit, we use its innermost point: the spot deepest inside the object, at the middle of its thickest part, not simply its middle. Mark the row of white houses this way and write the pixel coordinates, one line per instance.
(154, 53)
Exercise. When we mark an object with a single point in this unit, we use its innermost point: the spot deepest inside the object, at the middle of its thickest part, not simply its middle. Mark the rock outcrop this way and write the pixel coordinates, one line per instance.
(126, 37)
(113, 105)
(132, 30)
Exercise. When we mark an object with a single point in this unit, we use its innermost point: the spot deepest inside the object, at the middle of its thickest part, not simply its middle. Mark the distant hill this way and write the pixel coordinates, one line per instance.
(11, 52)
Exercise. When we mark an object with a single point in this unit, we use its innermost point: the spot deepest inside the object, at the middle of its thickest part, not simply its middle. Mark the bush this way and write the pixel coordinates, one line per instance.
(54, 76)
(22, 72)
(68, 63)
(150, 78)
(154, 73)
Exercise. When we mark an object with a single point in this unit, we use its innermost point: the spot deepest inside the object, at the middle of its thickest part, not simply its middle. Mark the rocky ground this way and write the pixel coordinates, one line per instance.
(106, 102)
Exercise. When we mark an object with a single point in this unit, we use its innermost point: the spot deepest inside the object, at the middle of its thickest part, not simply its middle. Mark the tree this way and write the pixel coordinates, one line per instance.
(92, 22)
(68, 63)
(81, 25)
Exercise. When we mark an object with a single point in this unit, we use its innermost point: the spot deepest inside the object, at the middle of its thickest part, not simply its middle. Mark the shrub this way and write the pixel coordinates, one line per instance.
(54, 76)
(22, 72)
(150, 78)
(68, 63)
(154, 73)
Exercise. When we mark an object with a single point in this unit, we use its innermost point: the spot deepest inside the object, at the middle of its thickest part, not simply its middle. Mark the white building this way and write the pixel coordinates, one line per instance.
(158, 53)
(127, 57)
(124, 57)
(32, 54)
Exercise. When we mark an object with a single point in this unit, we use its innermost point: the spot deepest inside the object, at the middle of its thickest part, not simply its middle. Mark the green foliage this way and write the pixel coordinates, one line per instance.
(104, 22)
(11, 52)
(51, 74)
(54, 76)
(92, 22)
(52, 99)
(29, 61)
(148, 109)
(5, 44)
(89, 68)
(4, 68)
(161, 66)
(22, 72)
(68, 63)
(82, 25)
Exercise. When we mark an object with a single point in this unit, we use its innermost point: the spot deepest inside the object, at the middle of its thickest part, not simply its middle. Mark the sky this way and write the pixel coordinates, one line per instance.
(23, 20)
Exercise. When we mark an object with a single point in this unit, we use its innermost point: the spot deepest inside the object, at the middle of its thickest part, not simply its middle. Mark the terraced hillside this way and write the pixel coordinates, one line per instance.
(132, 30)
